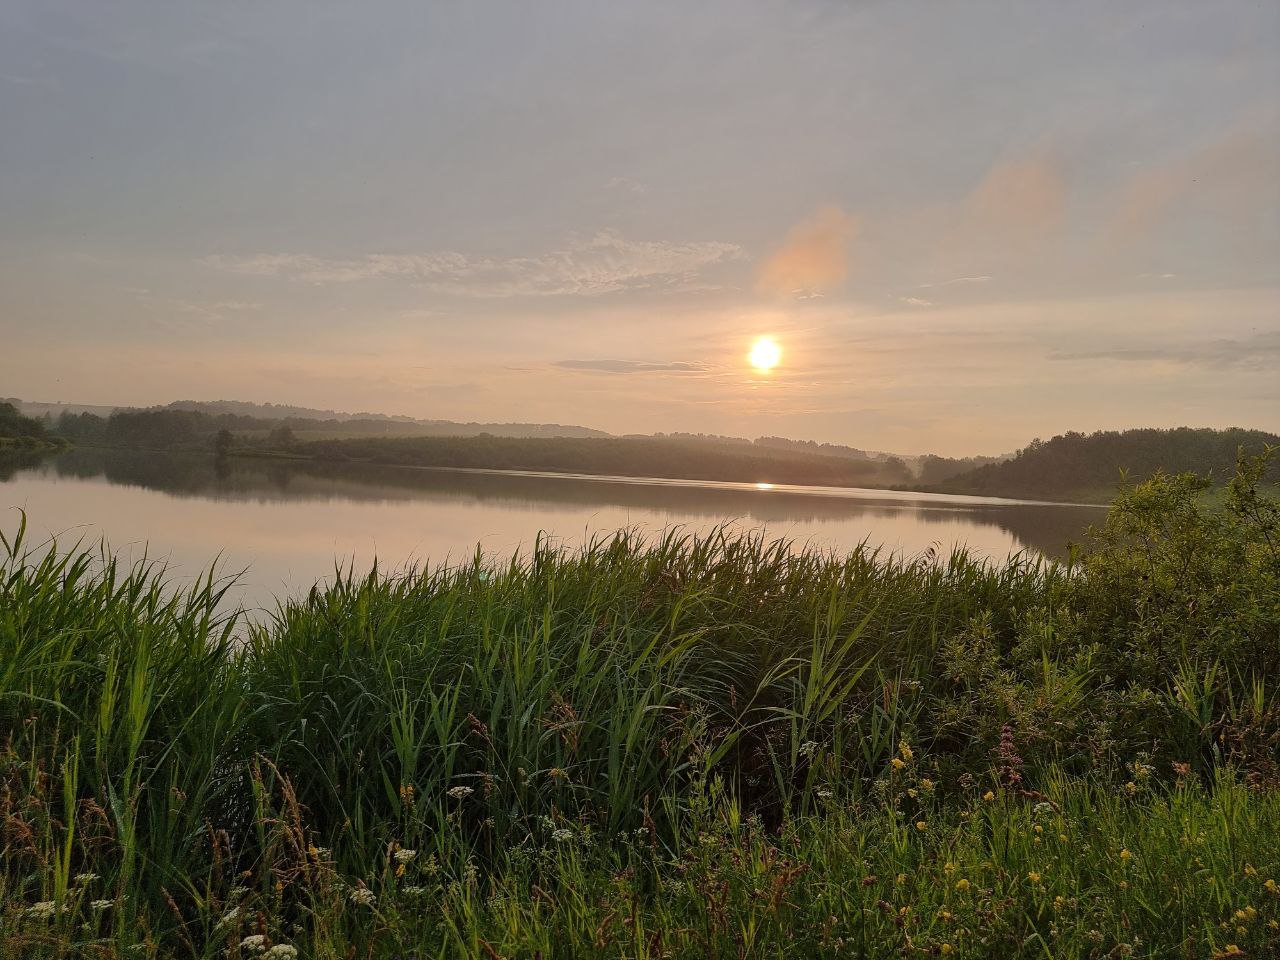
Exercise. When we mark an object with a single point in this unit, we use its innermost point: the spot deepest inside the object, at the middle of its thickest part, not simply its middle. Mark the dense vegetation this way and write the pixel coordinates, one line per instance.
(700, 747)
(1087, 467)
(22, 432)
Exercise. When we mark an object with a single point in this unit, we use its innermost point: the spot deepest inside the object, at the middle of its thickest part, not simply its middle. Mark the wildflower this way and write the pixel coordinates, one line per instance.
(897, 763)
(460, 793)
(1250, 871)
(404, 856)
(824, 793)
(808, 748)
(100, 905)
(1125, 855)
(904, 748)
(1062, 837)
(1044, 806)
(231, 916)
(562, 835)
(945, 948)
(86, 878)
(1038, 828)
(945, 916)
(989, 796)
(363, 896)
(1230, 950)
(42, 910)
(1270, 885)
(962, 884)
(1131, 788)
(237, 892)
(1033, 876)
(254, 943)
(282, 951)
(414, 891)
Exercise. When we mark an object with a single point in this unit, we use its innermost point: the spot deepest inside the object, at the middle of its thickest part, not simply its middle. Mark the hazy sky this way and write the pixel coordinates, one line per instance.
(967, 224)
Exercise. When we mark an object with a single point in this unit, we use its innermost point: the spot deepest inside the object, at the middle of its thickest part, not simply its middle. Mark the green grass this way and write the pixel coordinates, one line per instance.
(700, 747)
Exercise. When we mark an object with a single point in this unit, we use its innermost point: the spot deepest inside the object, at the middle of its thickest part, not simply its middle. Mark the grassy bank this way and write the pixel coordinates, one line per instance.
(695, 748)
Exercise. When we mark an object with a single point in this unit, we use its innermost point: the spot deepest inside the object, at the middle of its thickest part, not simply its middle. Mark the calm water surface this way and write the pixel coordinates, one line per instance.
(285, 525)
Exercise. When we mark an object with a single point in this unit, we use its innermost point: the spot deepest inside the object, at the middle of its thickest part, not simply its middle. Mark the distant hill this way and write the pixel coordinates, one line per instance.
(405, 426)
(328, 422)
(1076, 466)
(34, 408)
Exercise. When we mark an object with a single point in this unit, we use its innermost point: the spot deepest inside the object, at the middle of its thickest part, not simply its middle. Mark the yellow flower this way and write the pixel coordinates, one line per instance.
(1033, 877)
(962, 884)
(1062, 837)
(1125, 855)
(905, 749)
(1249, 871)
(988, 796)
(1270, 885)
(945, 948)
(897, 764)
(921, 825)
(944, 915)
(1039, 829)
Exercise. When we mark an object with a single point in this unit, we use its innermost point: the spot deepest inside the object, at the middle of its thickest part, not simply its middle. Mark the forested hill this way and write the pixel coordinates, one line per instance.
(1087, 467)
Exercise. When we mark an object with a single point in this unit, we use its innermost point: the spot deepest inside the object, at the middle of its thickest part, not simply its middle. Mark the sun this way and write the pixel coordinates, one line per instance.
(765, 354)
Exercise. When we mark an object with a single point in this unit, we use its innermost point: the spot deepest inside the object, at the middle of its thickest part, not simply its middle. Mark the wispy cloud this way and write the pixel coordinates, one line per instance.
(916, 301)
(1021, 199)
(633, 366)
(605, 263)
(812, 259)
(626, 184)
(1261, 351)
(954, 280)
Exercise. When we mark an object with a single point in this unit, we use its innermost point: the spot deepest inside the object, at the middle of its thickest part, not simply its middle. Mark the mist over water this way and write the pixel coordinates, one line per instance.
(284, 525)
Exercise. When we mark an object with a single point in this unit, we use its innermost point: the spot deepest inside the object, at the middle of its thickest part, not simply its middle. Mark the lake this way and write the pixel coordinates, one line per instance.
(285, 524)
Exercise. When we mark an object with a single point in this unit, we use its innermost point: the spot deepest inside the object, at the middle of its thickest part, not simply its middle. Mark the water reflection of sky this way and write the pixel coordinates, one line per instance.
(287, 524)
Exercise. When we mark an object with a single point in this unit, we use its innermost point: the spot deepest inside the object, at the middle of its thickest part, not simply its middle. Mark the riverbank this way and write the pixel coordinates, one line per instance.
(703, 745)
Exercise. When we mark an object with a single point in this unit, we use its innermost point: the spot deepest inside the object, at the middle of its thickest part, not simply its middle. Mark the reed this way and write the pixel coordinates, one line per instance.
(714, 745)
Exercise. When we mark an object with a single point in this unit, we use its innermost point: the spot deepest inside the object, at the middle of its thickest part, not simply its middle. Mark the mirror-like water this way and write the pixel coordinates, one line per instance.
(286, 524)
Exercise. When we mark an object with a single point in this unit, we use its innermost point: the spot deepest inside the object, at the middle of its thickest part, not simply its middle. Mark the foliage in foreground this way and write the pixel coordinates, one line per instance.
(696, 747)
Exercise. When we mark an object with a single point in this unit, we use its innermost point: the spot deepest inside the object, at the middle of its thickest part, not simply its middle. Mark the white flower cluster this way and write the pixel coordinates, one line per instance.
(460, 793)
(363, 896)
(404, 856)
(43, 910)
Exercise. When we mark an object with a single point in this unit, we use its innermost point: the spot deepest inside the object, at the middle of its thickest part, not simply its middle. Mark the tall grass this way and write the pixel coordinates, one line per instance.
(732, 739)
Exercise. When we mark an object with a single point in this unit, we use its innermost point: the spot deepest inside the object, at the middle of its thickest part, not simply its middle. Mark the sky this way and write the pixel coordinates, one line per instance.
(965, 224)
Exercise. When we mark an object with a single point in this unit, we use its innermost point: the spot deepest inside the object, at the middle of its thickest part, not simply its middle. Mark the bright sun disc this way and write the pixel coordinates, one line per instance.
(765, 354)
